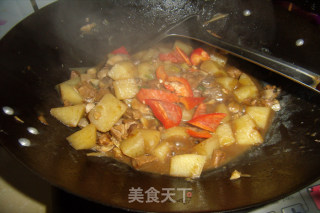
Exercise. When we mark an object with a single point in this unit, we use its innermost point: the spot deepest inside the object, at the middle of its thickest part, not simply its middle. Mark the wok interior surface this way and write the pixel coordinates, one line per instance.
(36, 55)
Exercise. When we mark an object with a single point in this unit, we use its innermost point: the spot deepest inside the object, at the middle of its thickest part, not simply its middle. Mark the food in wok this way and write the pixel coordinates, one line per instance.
(172, 109)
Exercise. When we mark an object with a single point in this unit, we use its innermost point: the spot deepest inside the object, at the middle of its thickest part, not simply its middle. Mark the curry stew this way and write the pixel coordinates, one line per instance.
(171, 109)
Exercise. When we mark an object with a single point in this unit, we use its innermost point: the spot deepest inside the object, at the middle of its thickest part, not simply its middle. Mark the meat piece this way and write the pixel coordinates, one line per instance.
(119, 132)
(214, 92)
(218, 157)
(233, 72)
(74, 74)
(194, 78)
(270, 92)
(104, 139)
(144, 109)
(133, 114)
(131, 125)
(155, 84)
(141, 160)
(268, 97)
(105, 83)
(101, 92)
(87, 91)
(122, 128)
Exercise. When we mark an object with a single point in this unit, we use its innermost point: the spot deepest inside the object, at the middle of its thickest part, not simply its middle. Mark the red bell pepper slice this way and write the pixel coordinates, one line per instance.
(169, 114)
(199, 134)
(161, 74)
(120, 50)
(208, 121)
(191, 102)
(198, 55)
(156, 94)
(201, 110)
(184, 56)
(180, 85)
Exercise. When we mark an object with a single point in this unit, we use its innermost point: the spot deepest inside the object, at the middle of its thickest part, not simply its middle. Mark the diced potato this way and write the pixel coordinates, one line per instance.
(146, 71)
(186, 48)
(225, 134)
(125, 88)
(123, 70)
(212, 68)
(162, 151)
(87, 77)
(219, 58)
(187, 165)
(114, 59)
(107, 112)
(150, 54)
(260, 115)
(84, 138)
(69, 94)
(177, 131)
(244, 92)
(245, 80)
(207, 146)
(133, 146)
(227, 82)
(245, 132)
(151, 138)
(222, 108)
(69, 115)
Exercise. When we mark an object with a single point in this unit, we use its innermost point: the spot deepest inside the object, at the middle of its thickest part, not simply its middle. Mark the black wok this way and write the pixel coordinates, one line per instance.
(37, 53)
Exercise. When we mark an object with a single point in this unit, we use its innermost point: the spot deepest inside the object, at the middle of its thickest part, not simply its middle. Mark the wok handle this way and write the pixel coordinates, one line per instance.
(191, 28)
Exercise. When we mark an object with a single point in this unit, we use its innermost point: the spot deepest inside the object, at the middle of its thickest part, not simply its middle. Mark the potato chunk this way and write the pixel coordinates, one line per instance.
(133, 146)
(177, 131)
(245, 80)
(122, 70)
(212, 68)
(244, 92)
(146, 70)
(260, 115)
(162, 151)
(84, 138)
(125, 88)
(222, 108)
(107, 112)
(187, 165)
(69, 115)
(245, 132)
(207, 146)
(151, 138)
(69, 94)
(227, 82)
(186, 48)
(225, 134)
